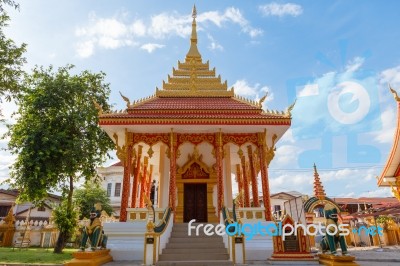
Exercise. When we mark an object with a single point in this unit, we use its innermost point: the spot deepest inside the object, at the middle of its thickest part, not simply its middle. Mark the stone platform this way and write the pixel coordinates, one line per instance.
(90, 258)
(332, 260)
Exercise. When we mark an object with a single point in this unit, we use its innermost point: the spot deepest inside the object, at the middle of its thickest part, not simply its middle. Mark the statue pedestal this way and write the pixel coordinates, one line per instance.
(90, 258)
(332, 260)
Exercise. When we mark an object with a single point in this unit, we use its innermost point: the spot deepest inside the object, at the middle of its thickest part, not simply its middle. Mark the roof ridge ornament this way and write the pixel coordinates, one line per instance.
(396, 97)
(260, 102)
(288, 112)
(126, 99)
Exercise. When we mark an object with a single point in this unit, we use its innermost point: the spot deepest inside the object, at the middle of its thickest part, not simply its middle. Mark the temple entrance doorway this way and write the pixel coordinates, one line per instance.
(195, 202)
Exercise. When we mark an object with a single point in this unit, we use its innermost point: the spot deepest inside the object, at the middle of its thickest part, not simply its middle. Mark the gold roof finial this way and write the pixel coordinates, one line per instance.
(193, 51)
(194, 12)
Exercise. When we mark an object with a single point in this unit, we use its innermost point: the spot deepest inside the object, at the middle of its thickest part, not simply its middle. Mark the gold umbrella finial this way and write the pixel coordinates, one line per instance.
(194, 11)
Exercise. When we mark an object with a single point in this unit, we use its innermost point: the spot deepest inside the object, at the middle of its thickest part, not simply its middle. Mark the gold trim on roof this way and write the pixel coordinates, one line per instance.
(189, 121)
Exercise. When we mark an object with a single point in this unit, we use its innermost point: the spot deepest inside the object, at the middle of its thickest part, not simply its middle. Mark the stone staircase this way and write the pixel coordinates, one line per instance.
(201, 250)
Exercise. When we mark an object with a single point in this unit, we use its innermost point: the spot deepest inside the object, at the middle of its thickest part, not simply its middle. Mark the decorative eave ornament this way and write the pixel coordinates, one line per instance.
(396, 97)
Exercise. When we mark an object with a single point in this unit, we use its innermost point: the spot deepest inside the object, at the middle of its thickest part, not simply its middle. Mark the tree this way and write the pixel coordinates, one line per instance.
(11, 3)
(56, 136)
(88, 195)
(11, 57)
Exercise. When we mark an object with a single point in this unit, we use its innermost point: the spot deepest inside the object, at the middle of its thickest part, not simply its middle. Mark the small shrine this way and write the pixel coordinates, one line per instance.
(295, 247)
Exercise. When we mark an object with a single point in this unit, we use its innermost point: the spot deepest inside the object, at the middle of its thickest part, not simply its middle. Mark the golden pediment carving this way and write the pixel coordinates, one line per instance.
(193, 158)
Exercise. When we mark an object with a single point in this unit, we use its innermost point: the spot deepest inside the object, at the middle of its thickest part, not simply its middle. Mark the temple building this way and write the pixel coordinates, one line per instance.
(185, 149)
(190, 137)
(390, 176)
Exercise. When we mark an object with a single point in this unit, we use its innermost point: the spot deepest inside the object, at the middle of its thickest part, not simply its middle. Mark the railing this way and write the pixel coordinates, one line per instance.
(157, 236)
(163, 223)
(142, 214)
(234, 243)
(252, 213)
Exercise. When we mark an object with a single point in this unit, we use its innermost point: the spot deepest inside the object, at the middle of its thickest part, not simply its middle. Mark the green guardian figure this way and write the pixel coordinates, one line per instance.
(94, 232)
(330, 242)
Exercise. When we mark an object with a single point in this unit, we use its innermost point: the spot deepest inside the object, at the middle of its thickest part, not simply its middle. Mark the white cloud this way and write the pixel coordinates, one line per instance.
(388, 104)
(286, 155)
(355, 64)
(287, 137)
(164, 25)
(85, 49)
(245, 89)
(347, 182)
(116, 32)
(308, 90)
(150, 47)
(214, 45)
(234, 15)
(280, 10)
(386, 134)
(379, 192)
(138, 28)
(391, 76)
(106, 33)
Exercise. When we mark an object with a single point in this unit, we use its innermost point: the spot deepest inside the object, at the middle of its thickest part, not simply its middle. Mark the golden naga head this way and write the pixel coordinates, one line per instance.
(238, 199)
(147, 201)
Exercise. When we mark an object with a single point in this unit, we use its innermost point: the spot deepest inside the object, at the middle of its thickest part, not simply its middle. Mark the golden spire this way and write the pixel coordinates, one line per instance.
(319, 191)
(193, 51)
(193, 78)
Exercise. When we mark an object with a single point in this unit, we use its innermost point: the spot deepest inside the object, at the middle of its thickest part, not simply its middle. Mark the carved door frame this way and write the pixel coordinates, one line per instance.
(211, 182)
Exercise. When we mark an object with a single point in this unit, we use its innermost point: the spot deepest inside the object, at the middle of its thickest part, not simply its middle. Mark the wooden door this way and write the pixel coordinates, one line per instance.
(195, 202)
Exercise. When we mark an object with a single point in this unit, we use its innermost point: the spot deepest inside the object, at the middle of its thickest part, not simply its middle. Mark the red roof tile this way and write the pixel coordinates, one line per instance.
(192, 103)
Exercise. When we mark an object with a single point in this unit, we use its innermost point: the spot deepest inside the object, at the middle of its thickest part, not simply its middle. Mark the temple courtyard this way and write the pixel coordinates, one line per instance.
(365, 256)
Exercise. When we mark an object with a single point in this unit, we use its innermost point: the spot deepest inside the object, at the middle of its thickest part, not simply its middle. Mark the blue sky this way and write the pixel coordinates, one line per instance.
(335, 57)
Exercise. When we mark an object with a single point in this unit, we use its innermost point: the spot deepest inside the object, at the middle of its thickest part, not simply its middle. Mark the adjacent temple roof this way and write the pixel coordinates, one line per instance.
(195, 93)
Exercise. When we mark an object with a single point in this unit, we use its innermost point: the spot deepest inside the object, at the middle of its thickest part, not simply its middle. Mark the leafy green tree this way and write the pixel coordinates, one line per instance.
(11, 57)
(88, 195)
(56, 136)
(11, 3)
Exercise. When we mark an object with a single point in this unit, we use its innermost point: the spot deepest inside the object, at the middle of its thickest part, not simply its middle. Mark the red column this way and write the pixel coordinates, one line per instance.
(264, 175)
(220, 183)
(136, 177)
(245, 183)
(254, 184)
(143, 182)
(126, 160)
(172, 169)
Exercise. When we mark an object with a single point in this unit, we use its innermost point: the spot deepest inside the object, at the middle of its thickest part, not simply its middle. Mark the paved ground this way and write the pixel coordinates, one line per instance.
(387, 256)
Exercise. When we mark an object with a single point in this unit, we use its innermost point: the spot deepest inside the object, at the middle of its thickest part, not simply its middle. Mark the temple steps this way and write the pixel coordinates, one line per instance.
(183, 249)
(194, 245)
(194, 250)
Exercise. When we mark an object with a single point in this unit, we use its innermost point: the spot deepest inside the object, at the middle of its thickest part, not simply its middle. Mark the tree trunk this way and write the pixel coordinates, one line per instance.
(61, 241)
(64, 236)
